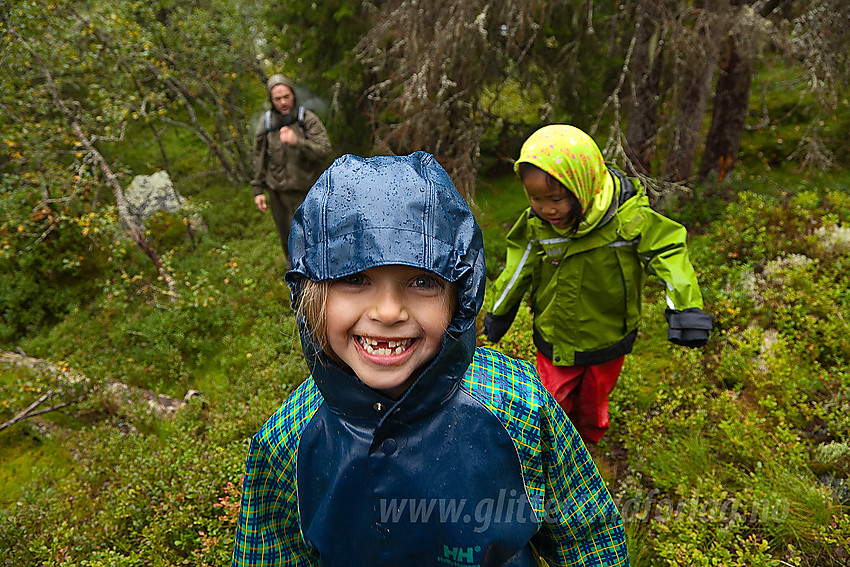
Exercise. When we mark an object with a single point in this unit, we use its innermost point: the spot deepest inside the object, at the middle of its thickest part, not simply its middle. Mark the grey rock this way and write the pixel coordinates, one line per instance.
(149, 194)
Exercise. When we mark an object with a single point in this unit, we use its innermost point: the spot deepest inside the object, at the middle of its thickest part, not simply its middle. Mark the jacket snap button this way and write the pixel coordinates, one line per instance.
(378, 406)
(389, 446)
(557, 359)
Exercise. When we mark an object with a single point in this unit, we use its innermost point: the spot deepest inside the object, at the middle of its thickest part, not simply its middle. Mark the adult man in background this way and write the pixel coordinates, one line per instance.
(291, 150)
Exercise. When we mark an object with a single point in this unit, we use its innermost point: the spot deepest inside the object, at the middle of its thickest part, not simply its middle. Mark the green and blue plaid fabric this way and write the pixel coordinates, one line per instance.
(579, 523)
(269, 532)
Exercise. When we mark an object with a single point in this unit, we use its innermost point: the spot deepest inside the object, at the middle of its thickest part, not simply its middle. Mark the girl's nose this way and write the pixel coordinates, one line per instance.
(389, 306)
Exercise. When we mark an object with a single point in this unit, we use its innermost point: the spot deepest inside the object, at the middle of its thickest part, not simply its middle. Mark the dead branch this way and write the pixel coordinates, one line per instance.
(117, 392)
(98, 158)
(31, 412)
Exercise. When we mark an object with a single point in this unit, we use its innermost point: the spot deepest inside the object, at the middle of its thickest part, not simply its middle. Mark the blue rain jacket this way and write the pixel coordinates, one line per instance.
(475, 465)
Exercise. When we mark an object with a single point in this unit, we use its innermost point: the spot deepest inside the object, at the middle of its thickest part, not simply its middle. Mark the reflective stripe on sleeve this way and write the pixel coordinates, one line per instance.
(515, 275)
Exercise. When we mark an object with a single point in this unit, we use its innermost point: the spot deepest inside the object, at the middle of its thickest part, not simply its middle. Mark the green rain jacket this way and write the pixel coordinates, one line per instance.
(586, 292)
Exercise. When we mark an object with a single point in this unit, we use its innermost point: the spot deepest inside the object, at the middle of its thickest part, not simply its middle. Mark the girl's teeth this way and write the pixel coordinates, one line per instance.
(393, 347)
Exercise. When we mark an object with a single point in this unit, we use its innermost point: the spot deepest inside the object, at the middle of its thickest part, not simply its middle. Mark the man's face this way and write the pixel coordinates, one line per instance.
(282, 98)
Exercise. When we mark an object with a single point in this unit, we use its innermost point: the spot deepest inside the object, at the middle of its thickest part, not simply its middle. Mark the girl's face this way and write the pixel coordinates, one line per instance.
(550, 201)
(387, 322)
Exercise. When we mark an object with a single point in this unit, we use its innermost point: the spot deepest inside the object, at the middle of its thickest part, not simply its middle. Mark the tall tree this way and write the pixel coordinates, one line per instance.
(811, 36)
(680, 46)
(446, 77)
(697, 44)
(815, 39)
(438, 72)
(645, 81)
(430, 67)
(731, 102)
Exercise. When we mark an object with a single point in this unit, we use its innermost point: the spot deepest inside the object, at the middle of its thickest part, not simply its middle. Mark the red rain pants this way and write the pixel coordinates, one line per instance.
(583, 392)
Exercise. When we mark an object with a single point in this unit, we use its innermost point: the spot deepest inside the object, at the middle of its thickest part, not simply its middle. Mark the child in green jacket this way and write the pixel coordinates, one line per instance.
(583, 249)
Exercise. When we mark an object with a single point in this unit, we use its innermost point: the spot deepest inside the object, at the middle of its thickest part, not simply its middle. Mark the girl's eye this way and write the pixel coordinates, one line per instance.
(354, 279)
(425, 281)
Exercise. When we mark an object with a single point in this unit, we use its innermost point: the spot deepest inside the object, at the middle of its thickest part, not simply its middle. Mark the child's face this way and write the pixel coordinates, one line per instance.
(549, 200)
(387, 322)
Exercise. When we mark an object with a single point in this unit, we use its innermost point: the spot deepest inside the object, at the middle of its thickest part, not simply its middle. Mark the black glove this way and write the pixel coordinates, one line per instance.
(495, 326)
(689, 327)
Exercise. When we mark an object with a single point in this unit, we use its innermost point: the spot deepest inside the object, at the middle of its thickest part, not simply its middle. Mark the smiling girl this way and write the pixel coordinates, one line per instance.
(407, 445)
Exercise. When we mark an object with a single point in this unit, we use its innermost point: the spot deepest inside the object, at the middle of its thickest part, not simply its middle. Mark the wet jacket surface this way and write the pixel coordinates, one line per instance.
(586, 292)
(282, 167)
(475, 464)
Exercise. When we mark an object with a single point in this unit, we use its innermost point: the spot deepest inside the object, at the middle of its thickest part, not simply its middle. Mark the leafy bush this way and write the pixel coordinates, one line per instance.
(134, 500)
(759, 228)
(42, 279)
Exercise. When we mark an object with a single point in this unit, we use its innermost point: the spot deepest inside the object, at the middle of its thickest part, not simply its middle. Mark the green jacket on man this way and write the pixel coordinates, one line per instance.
(285, 168)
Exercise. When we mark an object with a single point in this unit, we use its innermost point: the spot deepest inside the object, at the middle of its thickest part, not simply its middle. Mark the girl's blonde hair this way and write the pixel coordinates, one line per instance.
(311, 309)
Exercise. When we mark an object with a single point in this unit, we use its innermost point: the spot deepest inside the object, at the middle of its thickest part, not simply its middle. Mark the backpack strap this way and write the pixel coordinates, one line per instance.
(627, 188)
(301, 112)
(267, 120)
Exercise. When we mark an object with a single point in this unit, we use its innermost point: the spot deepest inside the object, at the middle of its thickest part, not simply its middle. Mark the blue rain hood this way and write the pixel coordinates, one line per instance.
(332, 476)
(368, 212)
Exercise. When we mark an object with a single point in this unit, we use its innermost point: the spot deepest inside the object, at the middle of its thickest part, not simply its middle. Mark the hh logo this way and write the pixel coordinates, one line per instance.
(459, 555)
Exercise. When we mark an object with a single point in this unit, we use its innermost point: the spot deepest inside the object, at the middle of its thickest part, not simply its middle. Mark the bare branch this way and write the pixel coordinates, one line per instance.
(30, 412)
(98, 158)
(26, 412)
(119, 393)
